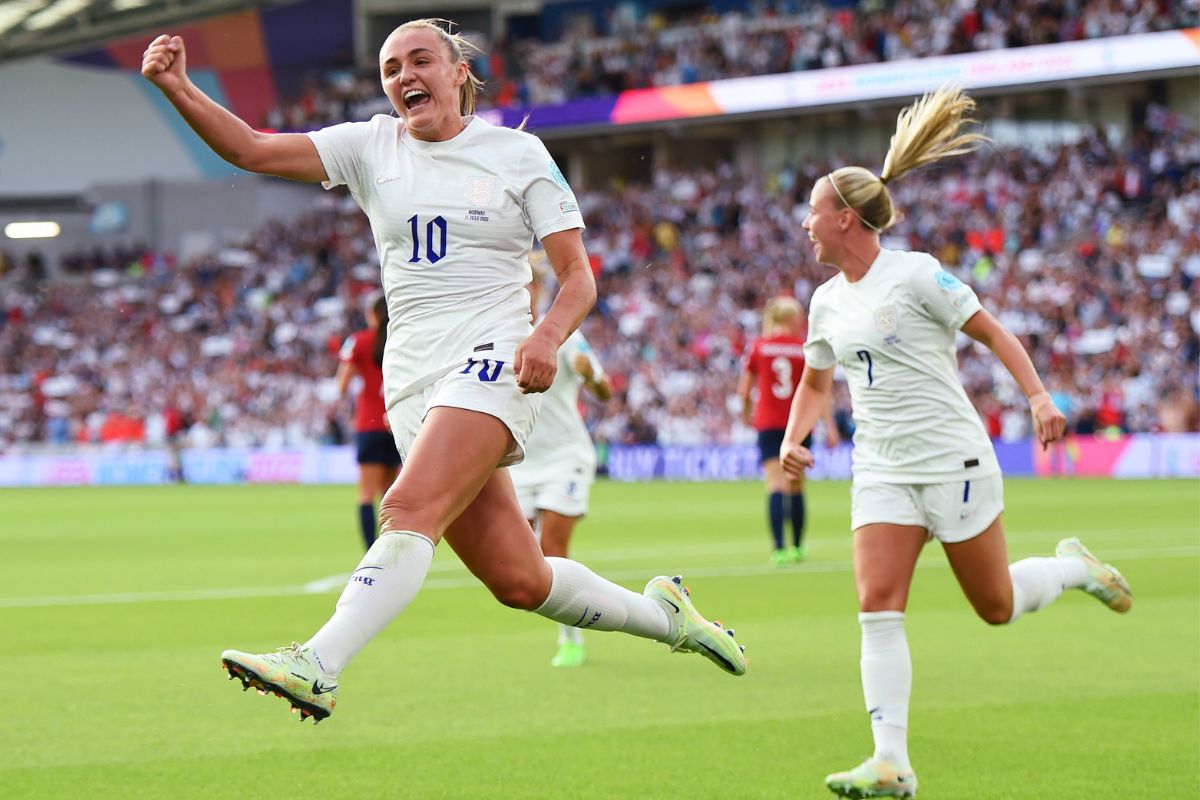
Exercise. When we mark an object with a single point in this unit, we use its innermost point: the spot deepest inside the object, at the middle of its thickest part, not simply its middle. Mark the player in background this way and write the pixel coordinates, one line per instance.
(378, 461)
(454, 205)
(774, 365)
(555, 479)
(923, 465)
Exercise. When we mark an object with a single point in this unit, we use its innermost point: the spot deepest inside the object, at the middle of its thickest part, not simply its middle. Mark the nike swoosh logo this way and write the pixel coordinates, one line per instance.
(672, 605)
(728, 665)
(317, 688)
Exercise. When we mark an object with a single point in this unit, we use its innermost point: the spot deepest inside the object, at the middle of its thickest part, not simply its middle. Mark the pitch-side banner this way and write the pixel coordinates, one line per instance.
(1139, 456)
(1050, 63)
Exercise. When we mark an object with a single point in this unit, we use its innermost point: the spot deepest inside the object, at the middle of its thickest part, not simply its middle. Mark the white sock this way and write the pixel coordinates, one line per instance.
(887, 682)
(582, 599)
(569, 635)
(1038, 582)
(386, 581)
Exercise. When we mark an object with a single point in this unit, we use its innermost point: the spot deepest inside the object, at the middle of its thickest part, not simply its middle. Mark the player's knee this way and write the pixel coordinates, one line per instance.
(879, 599)
(400, 512)
(998, 612)
(524, 592)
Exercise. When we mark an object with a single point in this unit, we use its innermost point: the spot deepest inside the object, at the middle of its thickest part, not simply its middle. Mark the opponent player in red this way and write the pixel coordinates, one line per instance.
(378, 460)
(774, 363)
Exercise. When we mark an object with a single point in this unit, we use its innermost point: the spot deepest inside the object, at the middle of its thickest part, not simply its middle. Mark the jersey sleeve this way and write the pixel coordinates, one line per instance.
(944, 297)
(341, 148)
(818, 351)
(346, 354)
(549, 204)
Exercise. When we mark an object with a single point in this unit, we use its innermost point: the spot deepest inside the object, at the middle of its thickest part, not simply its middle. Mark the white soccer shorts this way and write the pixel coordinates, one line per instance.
(484, 385)
(565, 493)
(950, 512)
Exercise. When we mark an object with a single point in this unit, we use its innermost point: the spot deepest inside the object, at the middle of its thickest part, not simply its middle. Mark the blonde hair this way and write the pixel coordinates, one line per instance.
(461, 50)
(779, 313)
(926, 131)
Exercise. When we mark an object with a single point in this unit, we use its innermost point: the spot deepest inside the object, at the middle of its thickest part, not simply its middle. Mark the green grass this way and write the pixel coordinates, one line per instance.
(115, 603)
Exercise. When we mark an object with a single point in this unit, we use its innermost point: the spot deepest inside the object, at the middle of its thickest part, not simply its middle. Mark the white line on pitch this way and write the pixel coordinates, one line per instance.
(464, 580)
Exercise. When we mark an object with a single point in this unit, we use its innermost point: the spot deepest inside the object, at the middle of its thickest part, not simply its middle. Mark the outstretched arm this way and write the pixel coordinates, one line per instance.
(286, 155)
(1049, 423)
(596, 382)
(810, 402)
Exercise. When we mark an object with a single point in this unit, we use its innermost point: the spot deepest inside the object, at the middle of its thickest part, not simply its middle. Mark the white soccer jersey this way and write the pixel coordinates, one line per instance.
(560, 439)
(453, 222)
(893, 333)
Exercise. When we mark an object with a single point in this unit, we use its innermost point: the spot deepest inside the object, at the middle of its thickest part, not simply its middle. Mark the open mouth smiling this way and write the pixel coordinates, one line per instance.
(415, 98)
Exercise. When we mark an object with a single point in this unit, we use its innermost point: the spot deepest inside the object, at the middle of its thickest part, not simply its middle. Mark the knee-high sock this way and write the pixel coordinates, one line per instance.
(775, 517)
(887, 682)
(1038, 582)
(797, 518)
(582, 599)
(366, 523)
(386, 581)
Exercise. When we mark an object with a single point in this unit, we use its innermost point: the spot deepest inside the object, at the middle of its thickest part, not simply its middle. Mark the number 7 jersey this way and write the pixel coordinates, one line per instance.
(453, 223)
(893, 334)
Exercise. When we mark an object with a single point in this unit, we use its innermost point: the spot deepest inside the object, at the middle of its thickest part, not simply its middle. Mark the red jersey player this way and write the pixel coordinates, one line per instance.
(378, 460)
(774, 365)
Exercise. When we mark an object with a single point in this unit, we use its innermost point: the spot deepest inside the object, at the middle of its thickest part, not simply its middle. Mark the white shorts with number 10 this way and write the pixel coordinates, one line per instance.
(485, 385)
(951, 512)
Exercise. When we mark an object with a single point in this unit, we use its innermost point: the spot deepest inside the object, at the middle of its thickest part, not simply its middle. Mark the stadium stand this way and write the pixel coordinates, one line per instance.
(639, 47)
(1089, 251)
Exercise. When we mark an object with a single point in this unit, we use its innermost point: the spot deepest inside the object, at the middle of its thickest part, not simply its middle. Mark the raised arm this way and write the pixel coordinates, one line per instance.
(286, 155)
(810, 402)
(1049, 423)
(536, 359)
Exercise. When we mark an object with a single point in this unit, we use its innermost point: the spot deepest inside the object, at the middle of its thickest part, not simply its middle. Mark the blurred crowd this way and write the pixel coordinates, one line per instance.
(1090, 252)
(637, 47)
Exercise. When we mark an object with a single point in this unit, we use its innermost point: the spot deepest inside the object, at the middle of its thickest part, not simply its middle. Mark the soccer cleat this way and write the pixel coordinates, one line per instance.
(873, 778)
(1104, 582)
(780, 558)
(692, 633)
(291, 673)
(570, 654)
(798, 553)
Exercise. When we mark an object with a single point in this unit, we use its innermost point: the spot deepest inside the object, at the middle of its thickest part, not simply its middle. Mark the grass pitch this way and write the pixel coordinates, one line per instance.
(115, 603)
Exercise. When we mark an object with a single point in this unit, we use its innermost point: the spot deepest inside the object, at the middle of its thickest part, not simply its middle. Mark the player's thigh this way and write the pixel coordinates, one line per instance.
(972, 535)
(889, 532)
(495, 542)
(452, 457)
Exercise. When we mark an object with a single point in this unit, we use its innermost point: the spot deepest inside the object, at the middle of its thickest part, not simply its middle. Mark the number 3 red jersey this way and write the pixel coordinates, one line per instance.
(776, 363)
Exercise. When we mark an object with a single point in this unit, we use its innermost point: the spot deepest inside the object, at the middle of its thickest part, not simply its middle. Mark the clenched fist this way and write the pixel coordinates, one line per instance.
(163, 63)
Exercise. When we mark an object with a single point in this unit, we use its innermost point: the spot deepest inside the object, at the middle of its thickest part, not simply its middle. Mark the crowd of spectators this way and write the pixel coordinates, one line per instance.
(638, 48)
(1090, 252)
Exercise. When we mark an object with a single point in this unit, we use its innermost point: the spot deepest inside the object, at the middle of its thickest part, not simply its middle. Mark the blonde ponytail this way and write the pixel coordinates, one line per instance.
(926, 131)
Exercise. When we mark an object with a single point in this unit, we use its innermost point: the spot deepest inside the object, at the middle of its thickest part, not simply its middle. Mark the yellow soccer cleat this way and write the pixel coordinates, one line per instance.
(291, 673)
(692, 633)
(873, 778)
(1104, 582)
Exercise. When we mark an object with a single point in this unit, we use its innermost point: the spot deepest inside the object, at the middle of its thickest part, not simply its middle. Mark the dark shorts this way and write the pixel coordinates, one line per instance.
(770, 440)
(376, 447)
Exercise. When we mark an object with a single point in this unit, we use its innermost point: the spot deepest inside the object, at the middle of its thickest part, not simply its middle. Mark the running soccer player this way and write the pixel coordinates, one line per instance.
(378, 461)
(454, 204)
(923, 465)
(554, 481)
(774, 364)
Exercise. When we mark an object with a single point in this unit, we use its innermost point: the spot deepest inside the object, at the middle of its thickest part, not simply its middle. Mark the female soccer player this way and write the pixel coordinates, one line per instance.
(378, 461)
(923, 465)
(555, 479)
(454, 204)
(775, 363)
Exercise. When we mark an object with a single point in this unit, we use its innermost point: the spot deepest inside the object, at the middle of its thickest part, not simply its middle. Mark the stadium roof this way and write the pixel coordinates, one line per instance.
(32, 27)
